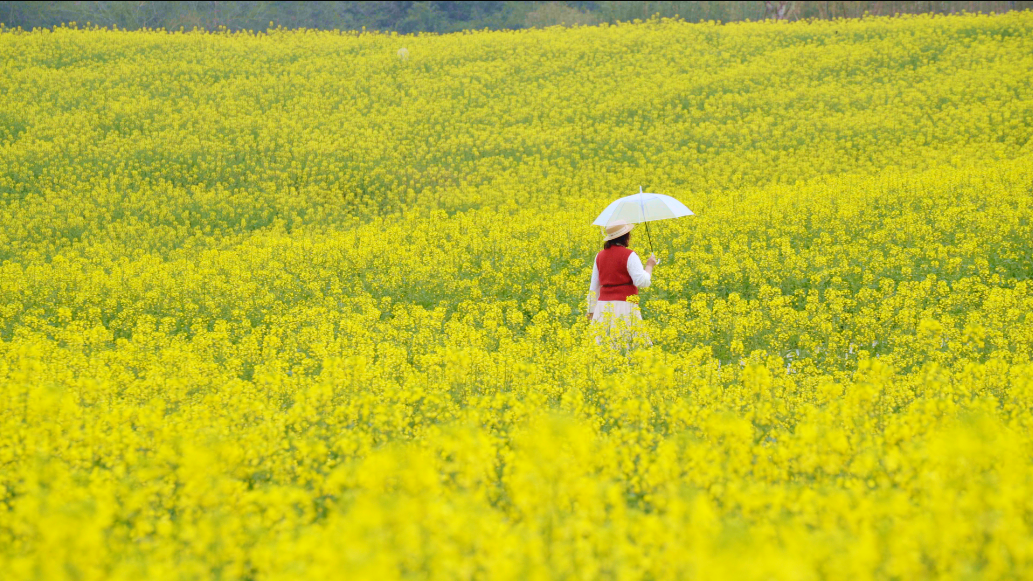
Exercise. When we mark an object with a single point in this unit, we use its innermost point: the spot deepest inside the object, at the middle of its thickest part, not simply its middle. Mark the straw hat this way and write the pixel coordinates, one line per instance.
(617, 229)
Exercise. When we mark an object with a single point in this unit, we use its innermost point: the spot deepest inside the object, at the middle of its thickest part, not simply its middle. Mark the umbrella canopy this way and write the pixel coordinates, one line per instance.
(642, 207)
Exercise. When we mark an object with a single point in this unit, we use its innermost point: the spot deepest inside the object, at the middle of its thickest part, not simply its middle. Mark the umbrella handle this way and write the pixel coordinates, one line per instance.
(642, 205)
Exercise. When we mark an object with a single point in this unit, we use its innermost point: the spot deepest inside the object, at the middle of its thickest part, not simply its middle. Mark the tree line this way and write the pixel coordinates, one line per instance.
(443, 16)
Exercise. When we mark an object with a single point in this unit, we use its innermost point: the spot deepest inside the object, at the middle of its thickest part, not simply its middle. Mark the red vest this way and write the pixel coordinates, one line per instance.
(612, 264)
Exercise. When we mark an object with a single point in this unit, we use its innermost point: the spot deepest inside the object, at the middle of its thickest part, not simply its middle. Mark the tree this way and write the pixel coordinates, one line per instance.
(779, 10)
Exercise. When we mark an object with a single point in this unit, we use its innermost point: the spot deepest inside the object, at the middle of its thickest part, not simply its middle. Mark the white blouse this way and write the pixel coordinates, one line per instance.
(639, 277)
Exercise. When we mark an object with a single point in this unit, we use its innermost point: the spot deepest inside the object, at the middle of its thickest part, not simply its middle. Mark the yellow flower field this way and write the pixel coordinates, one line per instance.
(306, 306)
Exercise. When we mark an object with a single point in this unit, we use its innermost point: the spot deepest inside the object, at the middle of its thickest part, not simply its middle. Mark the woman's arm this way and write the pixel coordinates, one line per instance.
(641, 277)
(593, 289)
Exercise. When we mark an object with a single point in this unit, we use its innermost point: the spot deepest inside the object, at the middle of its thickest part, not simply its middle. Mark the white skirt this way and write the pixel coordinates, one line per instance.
(621, 323)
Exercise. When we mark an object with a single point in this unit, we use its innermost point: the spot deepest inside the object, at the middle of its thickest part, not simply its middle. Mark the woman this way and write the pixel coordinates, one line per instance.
(616, 275)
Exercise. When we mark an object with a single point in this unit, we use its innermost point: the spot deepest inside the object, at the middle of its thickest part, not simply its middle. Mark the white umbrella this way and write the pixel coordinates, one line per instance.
(642, 207)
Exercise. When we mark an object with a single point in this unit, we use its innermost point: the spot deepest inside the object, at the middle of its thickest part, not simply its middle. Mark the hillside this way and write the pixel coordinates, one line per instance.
(310, 304)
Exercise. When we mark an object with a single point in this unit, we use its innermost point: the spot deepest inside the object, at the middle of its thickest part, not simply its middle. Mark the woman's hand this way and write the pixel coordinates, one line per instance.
(651, 262)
